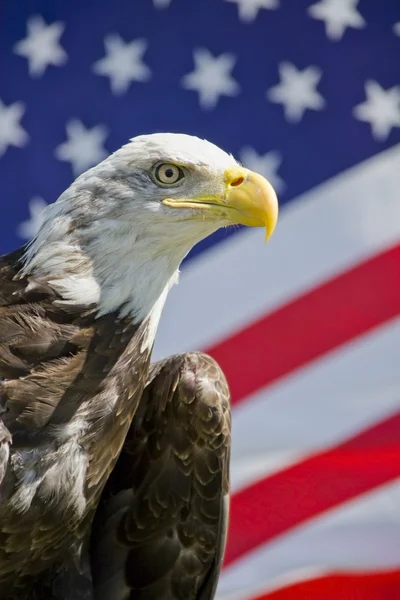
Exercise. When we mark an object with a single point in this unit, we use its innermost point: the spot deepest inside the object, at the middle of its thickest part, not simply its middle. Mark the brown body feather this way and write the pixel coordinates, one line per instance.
(72, 384)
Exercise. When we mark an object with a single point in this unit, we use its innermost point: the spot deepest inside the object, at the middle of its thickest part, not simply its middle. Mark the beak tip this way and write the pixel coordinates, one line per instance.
(272, 216)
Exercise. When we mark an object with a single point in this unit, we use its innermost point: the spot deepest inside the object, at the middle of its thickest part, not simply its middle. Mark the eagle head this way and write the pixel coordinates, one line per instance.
(116, 237)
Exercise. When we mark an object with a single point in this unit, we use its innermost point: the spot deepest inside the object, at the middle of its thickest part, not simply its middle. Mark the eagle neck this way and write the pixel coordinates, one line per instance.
(128, 274)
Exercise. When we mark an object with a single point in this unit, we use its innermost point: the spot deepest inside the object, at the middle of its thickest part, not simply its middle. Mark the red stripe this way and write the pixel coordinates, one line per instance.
(324, 318)
(372, 586)
(277, 503)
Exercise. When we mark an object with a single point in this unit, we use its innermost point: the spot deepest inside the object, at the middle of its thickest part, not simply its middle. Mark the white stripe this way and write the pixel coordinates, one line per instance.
(321, 405)
(326, 230)
(362, 534)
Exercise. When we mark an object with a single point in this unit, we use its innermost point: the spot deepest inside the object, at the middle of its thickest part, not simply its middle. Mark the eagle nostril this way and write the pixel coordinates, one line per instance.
(236, 182)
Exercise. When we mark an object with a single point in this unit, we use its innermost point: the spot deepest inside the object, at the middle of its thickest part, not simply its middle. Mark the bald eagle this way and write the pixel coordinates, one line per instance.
(115, 472)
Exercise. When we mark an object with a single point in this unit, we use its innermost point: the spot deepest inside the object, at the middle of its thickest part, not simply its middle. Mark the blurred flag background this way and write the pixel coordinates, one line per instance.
(307, 328)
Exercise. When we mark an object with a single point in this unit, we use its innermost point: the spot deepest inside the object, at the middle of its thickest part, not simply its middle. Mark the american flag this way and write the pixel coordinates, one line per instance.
(307, 328)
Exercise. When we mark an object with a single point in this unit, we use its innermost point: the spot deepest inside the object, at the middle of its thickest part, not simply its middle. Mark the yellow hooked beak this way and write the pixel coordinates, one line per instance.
(249, 199)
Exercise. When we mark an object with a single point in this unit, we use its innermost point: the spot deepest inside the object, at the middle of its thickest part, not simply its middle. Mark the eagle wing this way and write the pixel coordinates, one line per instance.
(161, 526)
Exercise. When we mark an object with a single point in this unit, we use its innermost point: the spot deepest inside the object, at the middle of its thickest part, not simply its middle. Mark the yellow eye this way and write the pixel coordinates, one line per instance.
(168, 174)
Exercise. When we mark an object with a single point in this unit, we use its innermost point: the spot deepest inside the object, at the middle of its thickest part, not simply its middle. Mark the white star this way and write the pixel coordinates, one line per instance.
(211, 77)
(338, 15)
(248, 9)
(266, 164)
(396, 28)
(381, 109)
(29, 228)
(84, 147)
(161, 3)
(123, 63)
(42, 45)
(297, 91)
(11, 132)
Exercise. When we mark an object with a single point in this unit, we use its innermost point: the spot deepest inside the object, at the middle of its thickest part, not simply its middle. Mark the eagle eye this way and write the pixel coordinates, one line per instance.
(168, 174)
